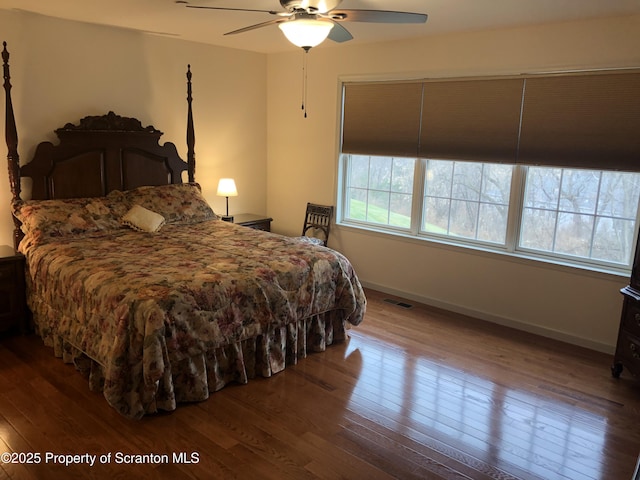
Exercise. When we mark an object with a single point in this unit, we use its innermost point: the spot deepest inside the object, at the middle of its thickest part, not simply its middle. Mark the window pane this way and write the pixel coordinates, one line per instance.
(463, 221)
(543, 188)
(496, 184)
(467, 199)
(439, 178)
(378, 207)
(402, 178)
(380, 173)
(436, 217)
(359, 171)
(467, 179)
(356, 204)
(613, 240)
(573, 235)
(538, 229)
(579, 191)
(379, 189)
(580, 213)
(492, 223)
(619, 195)
(400, 210)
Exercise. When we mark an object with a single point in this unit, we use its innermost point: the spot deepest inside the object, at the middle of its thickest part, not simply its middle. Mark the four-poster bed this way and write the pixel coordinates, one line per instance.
(133, 277)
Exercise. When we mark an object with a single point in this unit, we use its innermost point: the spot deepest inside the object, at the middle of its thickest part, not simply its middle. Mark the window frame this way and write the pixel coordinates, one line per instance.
(513, 227)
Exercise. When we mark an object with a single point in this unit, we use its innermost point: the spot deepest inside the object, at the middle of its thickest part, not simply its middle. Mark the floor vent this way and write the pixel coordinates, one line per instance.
(397, 303)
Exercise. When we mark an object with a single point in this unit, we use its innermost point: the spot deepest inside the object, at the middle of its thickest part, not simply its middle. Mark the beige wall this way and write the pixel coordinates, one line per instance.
(560, 302)
(62, 71)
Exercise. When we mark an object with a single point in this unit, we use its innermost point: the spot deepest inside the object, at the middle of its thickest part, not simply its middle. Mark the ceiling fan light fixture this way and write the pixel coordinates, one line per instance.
(306, 33)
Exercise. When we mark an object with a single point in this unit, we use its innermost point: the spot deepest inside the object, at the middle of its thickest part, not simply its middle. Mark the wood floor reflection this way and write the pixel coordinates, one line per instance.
(415, 393)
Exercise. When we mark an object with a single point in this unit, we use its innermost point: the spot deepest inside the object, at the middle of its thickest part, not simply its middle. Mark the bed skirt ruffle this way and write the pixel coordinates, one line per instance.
(192, 379)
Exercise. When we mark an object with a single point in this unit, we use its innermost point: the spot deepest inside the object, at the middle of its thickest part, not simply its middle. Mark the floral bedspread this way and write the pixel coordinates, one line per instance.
(160, 318)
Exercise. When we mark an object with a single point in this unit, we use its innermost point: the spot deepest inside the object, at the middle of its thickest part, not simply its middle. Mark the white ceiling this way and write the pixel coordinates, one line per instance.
(168, 17)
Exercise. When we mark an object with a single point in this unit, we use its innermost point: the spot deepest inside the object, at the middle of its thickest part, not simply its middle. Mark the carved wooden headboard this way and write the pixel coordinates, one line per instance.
(101, 154)
(98, 155)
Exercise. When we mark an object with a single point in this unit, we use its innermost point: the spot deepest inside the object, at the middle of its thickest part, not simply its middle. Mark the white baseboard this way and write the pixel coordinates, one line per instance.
(489, 317)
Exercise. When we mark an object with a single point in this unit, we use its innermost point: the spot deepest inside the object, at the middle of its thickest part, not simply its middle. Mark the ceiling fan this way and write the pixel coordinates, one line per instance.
(307, 23)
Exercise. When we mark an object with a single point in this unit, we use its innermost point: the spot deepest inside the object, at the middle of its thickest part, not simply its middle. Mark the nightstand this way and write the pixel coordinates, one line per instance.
(13, 306)
(258, 222)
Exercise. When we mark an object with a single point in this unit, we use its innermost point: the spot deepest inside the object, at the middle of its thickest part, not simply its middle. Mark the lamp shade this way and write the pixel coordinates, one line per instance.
(306, 32)
(227, 188)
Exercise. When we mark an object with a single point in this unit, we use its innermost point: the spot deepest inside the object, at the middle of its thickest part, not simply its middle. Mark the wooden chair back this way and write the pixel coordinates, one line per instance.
(317, 222)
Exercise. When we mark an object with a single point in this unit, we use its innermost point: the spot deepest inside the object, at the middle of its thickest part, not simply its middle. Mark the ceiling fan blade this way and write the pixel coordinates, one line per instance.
(271, 12)
(339, 34)
(257, 25)
(376, 16)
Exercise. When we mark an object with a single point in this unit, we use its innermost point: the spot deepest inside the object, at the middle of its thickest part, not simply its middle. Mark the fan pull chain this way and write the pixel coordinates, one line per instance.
(304, 81)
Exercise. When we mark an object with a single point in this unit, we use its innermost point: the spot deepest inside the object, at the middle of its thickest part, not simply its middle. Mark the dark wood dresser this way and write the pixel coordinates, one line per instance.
(628, 345)
(251, 220)
(12, 290)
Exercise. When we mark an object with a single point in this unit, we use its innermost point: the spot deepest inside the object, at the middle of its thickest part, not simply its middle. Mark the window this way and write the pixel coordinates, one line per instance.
(574, 215)
(467, 200)
(542, 165)
(589, 214)
(380, 190)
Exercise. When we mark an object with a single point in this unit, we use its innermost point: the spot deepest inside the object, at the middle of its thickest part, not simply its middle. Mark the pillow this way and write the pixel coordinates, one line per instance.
(59, 218)
(179, 203)
(143, 220)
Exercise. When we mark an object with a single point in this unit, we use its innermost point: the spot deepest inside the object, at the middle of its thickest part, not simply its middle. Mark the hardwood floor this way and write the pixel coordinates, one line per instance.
(416, 393)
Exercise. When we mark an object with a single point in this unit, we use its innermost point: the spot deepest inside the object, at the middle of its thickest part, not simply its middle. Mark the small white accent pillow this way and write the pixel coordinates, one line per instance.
(143, 220)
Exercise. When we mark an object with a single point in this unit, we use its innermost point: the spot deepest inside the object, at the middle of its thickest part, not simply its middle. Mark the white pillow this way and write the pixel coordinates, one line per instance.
(143, 220)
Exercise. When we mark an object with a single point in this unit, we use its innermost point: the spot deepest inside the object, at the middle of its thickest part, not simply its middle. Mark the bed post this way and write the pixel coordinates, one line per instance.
(11, 135)
(191, 137)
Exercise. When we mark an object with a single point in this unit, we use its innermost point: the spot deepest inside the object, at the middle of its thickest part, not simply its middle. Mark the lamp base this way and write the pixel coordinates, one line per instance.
(227, 218)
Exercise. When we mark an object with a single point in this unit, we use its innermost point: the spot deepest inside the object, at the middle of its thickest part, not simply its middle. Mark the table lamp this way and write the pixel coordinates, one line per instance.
(227, 188)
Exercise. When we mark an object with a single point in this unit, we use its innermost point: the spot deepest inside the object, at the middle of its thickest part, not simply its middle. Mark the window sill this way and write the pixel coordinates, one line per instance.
(471, 249)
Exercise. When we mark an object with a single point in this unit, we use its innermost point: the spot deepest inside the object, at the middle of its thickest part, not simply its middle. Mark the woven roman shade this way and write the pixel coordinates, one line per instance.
(582, 121)
(382, 119)
(471, 120)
